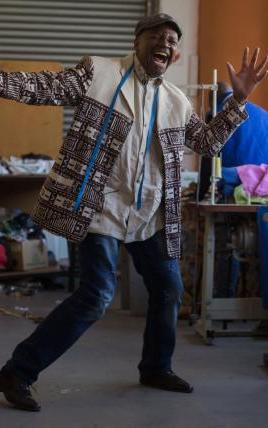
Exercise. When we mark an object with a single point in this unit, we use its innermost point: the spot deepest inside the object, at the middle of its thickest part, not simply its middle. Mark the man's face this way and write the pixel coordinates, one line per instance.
(157, 48)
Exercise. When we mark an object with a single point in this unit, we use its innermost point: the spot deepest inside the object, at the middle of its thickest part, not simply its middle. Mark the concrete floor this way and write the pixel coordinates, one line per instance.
(94, 385)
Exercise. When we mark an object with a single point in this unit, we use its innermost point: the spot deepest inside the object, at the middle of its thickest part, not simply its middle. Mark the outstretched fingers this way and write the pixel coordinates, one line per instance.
(249, 76)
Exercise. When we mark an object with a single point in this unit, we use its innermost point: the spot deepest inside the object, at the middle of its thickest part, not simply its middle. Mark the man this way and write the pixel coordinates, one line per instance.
(117, 179)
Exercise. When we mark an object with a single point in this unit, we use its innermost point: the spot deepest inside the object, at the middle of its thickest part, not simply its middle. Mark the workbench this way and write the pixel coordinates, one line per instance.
(222, 309)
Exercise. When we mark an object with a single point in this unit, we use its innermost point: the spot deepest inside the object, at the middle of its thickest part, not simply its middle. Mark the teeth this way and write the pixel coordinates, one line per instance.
(162, 54)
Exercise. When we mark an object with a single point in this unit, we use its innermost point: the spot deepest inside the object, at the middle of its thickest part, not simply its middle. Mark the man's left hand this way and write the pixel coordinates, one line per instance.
(250, 75)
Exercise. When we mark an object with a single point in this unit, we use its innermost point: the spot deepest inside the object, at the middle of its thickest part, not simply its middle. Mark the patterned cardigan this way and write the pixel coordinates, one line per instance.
(90, 87)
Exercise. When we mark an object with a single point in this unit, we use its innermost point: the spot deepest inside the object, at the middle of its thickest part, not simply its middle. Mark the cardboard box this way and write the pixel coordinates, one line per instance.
(29, 254)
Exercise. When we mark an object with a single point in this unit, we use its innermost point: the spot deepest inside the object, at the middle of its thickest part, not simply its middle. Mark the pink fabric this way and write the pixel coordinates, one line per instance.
(254, 179)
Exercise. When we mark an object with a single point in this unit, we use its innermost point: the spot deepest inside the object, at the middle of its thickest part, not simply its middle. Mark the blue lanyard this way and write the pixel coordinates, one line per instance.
(148, 144)
(100, 137)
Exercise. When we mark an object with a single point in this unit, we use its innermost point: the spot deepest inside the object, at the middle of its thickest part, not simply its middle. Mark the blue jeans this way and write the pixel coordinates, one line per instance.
(67, 322)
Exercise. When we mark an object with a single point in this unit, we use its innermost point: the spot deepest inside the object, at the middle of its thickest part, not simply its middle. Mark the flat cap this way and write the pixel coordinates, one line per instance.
(154, 21)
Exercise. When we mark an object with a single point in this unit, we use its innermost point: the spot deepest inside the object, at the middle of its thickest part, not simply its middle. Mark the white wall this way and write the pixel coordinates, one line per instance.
(186, 13)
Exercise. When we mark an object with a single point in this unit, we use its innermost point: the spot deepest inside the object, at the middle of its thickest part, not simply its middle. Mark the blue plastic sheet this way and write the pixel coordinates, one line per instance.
(249, 143)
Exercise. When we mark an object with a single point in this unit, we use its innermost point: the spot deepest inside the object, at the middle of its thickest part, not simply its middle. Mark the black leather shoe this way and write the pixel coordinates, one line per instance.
(168, 381)
(17, 392)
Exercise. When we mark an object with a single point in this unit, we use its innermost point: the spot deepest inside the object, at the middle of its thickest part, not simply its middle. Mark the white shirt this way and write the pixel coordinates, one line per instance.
(120, 217)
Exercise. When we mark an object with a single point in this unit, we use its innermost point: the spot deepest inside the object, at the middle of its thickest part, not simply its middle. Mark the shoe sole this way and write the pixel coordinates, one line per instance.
(21, 406)
(164, 388)
(17, 405)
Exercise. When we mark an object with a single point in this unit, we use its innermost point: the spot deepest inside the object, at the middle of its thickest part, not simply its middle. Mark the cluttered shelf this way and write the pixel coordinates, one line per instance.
(19, 191)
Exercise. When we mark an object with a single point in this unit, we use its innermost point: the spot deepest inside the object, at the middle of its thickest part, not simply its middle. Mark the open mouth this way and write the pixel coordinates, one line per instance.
(160, 58)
